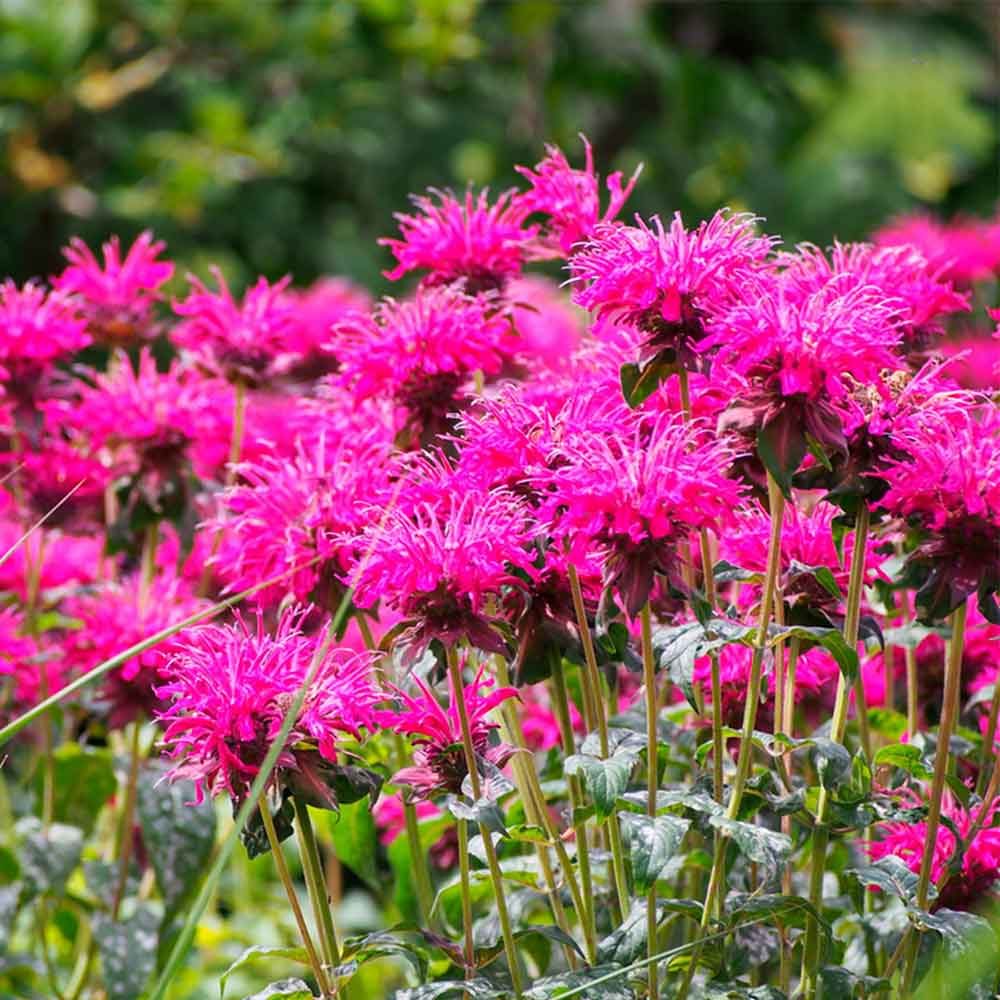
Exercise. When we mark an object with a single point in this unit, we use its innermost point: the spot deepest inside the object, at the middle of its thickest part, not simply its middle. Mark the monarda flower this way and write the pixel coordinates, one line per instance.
(116, 299)
(318, 309)
(228, 689)
(570, 199)
(975, 882)
(20, 666)
(440, 764)
(668, 283)
(790, 360)
(37, 329)
(484, 245)
(638, 496)
(444, 567)
(250, 341)
(287, 513)
(901, 273)
(120, 614)
(422, 352)
(948, 487)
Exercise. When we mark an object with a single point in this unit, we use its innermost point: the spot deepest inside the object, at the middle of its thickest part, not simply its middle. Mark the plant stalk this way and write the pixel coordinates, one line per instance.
(312, 868)
(652, 779)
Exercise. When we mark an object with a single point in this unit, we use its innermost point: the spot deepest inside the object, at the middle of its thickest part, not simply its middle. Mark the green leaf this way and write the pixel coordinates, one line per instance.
(891, 875)
(128, 952)
(831, 639)
(381, 944)
(651, 842)
(179, 835)
(552, 987)
(48, 857)
(253, 835)
(258, 952)
(832, 762)
(283, 989)
(821, 574)
(10, 896)
(604, 780)
(355, 840)
(764, 847)
(792, 911)
(638, 384)
(905, 756)
(781, 446)
(717, 991)
(727, 572)
(324, 785)
(84, 780)
(475, 989)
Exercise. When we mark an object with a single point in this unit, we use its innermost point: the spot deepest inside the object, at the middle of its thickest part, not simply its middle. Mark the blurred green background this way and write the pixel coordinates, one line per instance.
(280, 135)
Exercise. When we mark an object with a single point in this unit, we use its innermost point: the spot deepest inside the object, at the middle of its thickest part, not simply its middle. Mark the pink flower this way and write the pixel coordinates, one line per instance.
(571, 199)
(668, 283)
(966, 250)
(287, 512)
(318, 309)
(471, 239)
(980, 863)
(539, 721)
(228, 689)
(900, 273)
(443, 567)
(422, 352)
(21, 663)
(638, 495)
(948, 485)
(37, 328)
(118, 298)
(439, 757)
(548, 327)
(118, 615)
(252, 340)
(62, 560)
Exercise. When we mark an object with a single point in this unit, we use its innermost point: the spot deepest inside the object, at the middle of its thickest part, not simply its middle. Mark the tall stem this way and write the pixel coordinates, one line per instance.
(293, 900)
(592, 679)
(838, 726)
(312, 867)
(776, 502)
(127, 818)
(652, 779)
(718, 744)
(987, 752)
(148, 566)
(463, 875)
(418, 864)
(458, 687)
(949, 716)
(912, 683)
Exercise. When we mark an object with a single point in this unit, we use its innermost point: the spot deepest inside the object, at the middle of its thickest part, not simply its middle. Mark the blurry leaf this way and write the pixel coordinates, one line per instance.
(891, 875)
(10, 895)
(832, 761)
(475, 989)
(259, 951)
(716, 991)
(325, 785)
(253, 836)
(355, 841)
(380, 944)
(651, 842)
(84, 780)
(821, 574)
(552, 987)
(48, 857)
(128, 952)
(178, 834)
(726, 572)
(906, 756)
(283, 989)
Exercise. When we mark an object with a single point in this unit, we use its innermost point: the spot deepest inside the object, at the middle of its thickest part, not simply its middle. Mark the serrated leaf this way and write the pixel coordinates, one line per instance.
(764, 847)
(355, 840)
(650, 843)
(283, 989)
(891, 875)
(179, 835)
(48, 857)
(128, 952)
(258, 952)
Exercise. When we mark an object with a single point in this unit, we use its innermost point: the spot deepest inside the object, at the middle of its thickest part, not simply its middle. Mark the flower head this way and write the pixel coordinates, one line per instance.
(439, 757)
(117, 298)
(228, 688)
(571, 200)
(965, 250)
(252, 340)
(467, 239)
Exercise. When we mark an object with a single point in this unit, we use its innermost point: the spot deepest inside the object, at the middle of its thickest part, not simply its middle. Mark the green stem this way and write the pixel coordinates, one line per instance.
(458, 686)
(293, 900)
(592, 680)
(463, 874)
(652, 778)
(312, 868)
(128, 813)
(987, 751)
(148, 567)
(418, 864)
(949, 715)
(717, 876)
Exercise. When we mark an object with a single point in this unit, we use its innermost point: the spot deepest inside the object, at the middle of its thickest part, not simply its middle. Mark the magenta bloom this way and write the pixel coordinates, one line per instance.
(668, 283)
(117, 298)
(966, 250)
(21, 666)
(948, 485)
(978, 875)
(55, 470)
(287, 512)
(571, 200)
(467, 239)
(37, 328)
(318, 309)
(252, 340)
(638, 495)
(901, 273)
(116, 616)
(439, 757)
(67, 560)
(228, 688)
(422, 352)
(548, 327)
(443, 567)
